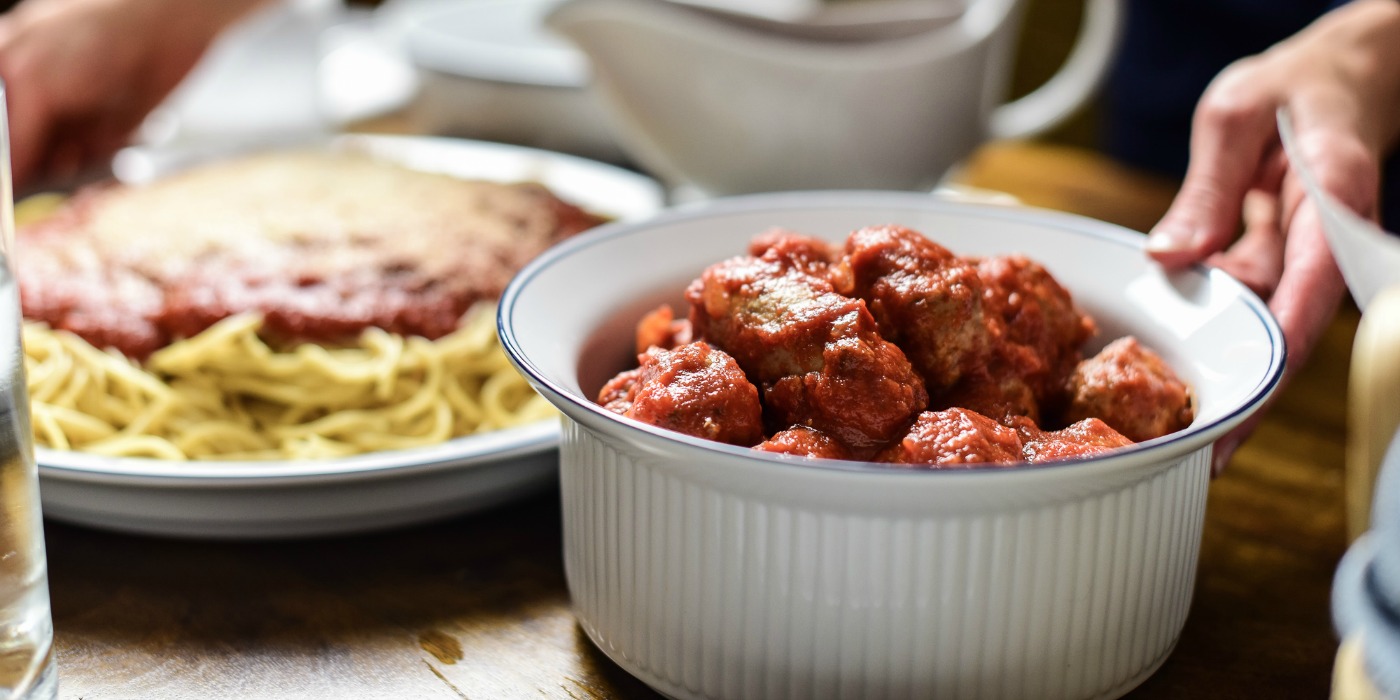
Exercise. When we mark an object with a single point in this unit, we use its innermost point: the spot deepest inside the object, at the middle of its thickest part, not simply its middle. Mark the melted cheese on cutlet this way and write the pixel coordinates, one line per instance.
(339, 207)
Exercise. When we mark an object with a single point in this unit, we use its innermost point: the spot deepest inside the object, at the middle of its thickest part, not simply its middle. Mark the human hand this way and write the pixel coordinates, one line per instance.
(80, 75)
(1340, 79)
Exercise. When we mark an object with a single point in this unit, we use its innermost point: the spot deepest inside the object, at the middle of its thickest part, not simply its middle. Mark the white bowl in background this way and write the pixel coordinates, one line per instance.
(489, 69)
(713, 571)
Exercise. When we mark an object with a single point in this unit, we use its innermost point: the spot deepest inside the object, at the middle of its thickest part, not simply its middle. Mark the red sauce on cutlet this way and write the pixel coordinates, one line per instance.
(345, 244)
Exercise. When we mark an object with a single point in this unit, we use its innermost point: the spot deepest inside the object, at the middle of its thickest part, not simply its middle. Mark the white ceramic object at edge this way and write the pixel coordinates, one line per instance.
(711, 571)
(723, 106)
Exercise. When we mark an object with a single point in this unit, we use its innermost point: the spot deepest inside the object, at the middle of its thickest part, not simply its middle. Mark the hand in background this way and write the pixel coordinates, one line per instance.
(81, 75)
(1340, 79)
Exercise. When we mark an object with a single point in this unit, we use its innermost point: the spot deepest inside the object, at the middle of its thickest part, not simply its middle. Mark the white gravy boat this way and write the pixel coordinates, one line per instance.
(877, 94)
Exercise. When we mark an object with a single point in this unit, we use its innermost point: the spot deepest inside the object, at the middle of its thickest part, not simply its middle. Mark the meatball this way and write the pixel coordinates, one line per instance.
(1040, 330)
(925, 299)
(955, 438)
(804, 442)
(995, 392)
(660, 329)
(817, 355)
(617, 394)
(1035, 310)
(770, 316)
(1085, 438)
(695, 389)
(1131, 389)
(810, 255)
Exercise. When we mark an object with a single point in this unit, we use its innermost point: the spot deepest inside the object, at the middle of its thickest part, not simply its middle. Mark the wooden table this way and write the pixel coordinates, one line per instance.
(476, 607)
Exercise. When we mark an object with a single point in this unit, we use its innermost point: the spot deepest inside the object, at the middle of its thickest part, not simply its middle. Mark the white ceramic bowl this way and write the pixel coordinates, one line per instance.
(488, 69)
(711, 571)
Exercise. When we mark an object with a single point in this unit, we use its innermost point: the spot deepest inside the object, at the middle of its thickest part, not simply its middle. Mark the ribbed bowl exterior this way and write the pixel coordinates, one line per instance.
(706, 583)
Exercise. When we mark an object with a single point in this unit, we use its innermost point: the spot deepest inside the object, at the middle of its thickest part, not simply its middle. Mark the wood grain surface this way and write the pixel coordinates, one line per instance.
(476, 607)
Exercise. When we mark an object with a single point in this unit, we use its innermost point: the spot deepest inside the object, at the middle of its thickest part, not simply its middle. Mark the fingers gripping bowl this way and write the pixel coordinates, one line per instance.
(710, 570)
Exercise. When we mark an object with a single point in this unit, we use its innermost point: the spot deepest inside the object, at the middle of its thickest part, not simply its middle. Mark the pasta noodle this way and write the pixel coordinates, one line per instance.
(225, 394)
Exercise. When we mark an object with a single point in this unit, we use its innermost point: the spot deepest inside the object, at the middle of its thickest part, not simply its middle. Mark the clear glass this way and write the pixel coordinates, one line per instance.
(26, 625)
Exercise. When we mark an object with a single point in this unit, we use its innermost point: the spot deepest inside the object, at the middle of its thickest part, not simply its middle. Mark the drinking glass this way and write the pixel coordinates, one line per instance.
(26, 626)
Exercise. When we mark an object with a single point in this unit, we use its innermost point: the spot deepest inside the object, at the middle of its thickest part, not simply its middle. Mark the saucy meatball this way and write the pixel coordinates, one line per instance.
(804, 442)
(1035, 309)
(1040, 330)
(1085, 438)
(1132, 389)
(695, 389)
(953, 438)
(617, 394)
(810, 255)
(660, 329)
(817, 355)
(995, 391)
(925, 299)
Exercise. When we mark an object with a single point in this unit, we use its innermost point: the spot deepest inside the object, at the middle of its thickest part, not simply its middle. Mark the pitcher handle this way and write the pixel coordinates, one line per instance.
(1059, 97)
(1373, 403)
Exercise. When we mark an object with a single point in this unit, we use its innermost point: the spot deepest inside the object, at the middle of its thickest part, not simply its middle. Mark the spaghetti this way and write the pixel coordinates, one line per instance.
(225, 394)
(298, 244)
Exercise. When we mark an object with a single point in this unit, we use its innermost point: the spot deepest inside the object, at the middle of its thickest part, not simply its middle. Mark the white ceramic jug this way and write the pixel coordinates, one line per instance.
(879, 94)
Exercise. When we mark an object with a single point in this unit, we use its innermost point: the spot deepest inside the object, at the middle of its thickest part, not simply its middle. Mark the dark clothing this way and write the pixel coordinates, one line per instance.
(1171, 50)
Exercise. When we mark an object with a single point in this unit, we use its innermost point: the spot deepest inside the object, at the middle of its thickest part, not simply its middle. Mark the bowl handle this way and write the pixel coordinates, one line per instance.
(1076, 80)
(1373, 404)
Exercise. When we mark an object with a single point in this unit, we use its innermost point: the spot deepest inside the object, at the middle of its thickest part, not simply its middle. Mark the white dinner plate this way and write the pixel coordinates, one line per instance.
(364, 492)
